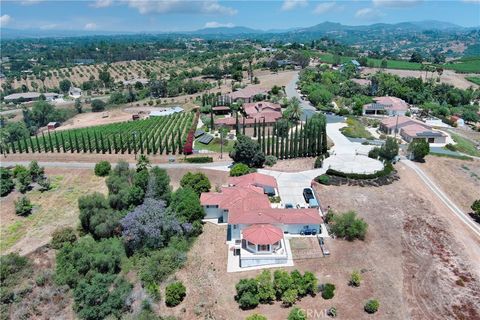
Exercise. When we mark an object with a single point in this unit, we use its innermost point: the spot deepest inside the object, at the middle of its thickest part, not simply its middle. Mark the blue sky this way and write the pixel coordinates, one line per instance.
(180, 15)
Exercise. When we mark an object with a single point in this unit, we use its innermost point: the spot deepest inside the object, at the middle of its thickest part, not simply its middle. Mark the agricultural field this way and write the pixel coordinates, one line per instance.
(156, 135)
(474, 79)
(464, 65)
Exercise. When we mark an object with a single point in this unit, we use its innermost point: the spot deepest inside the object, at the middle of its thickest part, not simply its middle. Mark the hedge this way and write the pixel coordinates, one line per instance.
(199, 159)
(188, 146)
(387, 170)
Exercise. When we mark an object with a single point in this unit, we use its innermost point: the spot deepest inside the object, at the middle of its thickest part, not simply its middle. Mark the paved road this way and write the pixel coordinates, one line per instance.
(89, 165)
(444, 198)
(291, 91)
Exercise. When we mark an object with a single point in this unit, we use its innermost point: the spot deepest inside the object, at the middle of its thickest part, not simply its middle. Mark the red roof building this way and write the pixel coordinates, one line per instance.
(262, 234)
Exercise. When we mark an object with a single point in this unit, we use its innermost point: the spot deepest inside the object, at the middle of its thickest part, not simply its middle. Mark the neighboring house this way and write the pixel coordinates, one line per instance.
(362, 82)
(247, 93)
(256, 232)
(389, 106)
(75, 92)
(53, 125)
(30, 96)
(257, 112)
(410, 129)
(458, 121)
(221, 110)
(134, 81)
(165, 112)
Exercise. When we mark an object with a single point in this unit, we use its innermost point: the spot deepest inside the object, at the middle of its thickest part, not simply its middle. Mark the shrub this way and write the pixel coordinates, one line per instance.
(239, 169)
(36, 172)
(256, 316)
(289, 297)
(372, 306)
(270, 160)
(318, 162)
(199, 159)
(23, 207)
(6, 182)
(102, 168)
(355, 279)
(174, 294)
(389, 149)
(374, 153)
(328, 291)
(348, 226)
(24, 179)
(419, 149)
(297, 314)
(98, 105)
(62, 236)
(18, 169)
(323, 179)
(247, 151)
(248, 301)
(197, 181)
(476, 210)
(332, 312)
(44, 183)
(451, 147)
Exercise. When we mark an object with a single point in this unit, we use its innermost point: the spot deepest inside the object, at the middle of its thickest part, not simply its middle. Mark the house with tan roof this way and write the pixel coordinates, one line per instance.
(411, 129)
(247, 94)
(257, 230)
(386, 106)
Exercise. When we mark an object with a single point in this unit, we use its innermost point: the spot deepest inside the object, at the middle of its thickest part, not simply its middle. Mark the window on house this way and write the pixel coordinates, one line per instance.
(263, 247)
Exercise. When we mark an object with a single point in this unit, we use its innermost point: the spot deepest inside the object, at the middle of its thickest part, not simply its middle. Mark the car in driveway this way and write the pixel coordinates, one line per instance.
(323, 246)
(308, 194)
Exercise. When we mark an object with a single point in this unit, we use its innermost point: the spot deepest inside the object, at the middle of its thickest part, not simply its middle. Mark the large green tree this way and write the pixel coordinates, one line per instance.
(247, 151)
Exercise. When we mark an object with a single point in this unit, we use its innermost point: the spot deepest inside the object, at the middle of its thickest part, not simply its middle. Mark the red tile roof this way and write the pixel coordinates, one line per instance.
(251, 109)
(262, 234)
(221, 108)
(255, 179)
(276, 216)
(391, 122)
(393, 103)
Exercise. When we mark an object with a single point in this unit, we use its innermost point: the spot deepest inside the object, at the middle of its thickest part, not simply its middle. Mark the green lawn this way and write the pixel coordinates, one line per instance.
(214, 145)
(460, 157)
(475, 80)
(355, 129)
(465, 65)
(465, 146)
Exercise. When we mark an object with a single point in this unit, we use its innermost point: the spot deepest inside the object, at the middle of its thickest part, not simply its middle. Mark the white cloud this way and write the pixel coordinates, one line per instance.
(102, 3)
(292, 4)
(324, 7)
(90, 26)
(180, 6)
(29, 2)
(368, 14)
(215, 24)
(395, 3)
(5, 20)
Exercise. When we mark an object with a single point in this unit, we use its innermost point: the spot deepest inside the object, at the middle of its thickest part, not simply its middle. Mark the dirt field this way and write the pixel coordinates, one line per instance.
(448, 76)
(460, 179)
(417, 260)
(294, 165)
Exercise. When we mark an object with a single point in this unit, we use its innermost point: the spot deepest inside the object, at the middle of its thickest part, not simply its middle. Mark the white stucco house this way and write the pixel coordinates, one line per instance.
(257, 232)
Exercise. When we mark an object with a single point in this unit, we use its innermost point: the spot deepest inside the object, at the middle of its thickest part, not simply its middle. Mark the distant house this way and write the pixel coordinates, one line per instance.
(389, 106)
(134, 81)
(362, 82)
(256, 232)
(30, 96)
(256, 113)
(165, 112)
(221, 110)
(247, 93)
(75, 92)
(458, 121)
(53, 125)
(411, 129)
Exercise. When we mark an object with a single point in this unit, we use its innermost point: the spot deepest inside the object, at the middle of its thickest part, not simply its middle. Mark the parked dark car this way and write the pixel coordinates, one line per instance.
(308, 194)
(306, 231)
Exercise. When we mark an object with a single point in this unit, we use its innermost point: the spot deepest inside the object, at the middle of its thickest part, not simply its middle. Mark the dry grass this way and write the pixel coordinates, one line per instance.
(52, 209)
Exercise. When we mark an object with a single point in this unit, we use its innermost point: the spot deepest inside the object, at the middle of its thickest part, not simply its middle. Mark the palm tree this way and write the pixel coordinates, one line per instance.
(294, 109)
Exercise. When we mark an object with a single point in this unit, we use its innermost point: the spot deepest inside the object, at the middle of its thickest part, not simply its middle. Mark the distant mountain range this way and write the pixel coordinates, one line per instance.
(322, 28)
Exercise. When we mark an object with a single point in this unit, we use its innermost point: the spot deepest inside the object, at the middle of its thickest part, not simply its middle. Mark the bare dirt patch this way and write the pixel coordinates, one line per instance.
(459, 179)
(294, 165)
(448, 76)
(89, 119)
